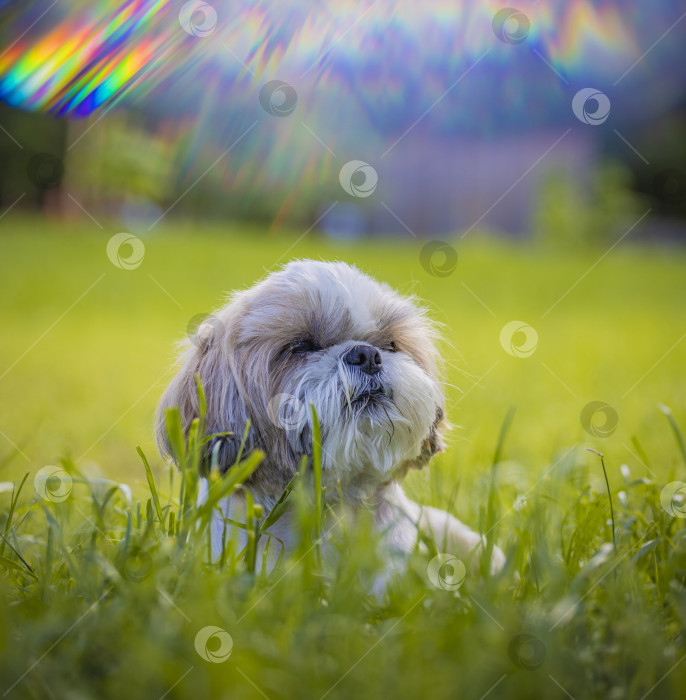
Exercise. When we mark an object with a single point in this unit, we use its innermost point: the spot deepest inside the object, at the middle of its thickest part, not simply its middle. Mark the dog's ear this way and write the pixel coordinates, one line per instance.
(226, 410)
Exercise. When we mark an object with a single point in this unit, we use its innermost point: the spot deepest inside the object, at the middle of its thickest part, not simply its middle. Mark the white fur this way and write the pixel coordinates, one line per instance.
(374, 427)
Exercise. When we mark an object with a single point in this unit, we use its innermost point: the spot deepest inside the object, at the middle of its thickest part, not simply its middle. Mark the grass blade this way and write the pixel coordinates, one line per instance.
(318, 492)
(317, 465)
(675, 428)
(230, 482)
(281, 505)
(243, 441)
(491, 522)
(9, 564)
(151, 484)
(609, 494)
(16, 551)
(174, 428)
(13, 503)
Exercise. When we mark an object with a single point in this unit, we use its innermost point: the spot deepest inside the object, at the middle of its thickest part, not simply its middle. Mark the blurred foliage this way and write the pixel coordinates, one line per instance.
(131, 160)
(663, 179)
(27, 134)
(120, 161)
(135, 160)
(594, 213)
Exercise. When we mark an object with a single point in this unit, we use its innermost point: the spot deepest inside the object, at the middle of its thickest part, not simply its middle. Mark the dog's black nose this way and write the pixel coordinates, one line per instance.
(366, 357)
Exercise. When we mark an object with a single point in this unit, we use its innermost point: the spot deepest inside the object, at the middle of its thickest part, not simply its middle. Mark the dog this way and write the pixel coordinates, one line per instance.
(326, 334)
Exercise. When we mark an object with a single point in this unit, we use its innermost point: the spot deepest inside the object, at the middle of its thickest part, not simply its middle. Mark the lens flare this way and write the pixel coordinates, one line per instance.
(81, 56)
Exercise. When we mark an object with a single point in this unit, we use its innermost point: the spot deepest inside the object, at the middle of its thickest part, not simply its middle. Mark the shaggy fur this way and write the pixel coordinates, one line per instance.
(279, 346)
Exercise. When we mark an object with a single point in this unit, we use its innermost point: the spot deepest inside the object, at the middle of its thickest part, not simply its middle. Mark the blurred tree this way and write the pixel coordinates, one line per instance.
(662, 143)
(571, 214)
(32, 149)
(118, 163)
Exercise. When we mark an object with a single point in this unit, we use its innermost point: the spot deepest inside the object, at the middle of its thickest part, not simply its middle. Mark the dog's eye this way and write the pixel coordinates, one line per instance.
(391, 347)
(302, 346)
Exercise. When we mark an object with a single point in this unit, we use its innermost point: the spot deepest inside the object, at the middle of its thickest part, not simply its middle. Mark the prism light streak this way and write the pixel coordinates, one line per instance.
(104, 51)
(85, 61)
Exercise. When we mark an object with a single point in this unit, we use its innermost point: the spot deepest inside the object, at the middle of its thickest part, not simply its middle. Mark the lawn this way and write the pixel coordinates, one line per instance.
(104, 598)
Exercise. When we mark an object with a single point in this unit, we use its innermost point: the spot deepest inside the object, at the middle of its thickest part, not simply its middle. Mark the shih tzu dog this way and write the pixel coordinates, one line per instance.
(325, 334)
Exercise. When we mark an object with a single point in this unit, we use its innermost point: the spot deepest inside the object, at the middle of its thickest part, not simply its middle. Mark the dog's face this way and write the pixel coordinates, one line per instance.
(323, 334)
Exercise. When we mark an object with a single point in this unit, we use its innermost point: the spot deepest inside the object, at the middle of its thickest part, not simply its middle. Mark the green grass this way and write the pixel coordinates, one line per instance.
(102, 597)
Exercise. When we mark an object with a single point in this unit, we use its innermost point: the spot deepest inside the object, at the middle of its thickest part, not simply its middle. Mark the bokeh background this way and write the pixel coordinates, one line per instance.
(504, 163)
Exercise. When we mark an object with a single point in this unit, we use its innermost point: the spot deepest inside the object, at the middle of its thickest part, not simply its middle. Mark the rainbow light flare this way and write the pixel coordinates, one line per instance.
(99, 52)
(86, 61)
